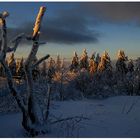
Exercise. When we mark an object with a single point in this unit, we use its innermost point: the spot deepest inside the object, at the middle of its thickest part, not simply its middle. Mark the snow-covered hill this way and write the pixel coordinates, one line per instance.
(112, 117)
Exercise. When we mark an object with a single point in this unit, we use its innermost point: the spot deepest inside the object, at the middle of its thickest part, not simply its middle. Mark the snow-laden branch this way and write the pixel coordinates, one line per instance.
(35, 37)
(4, 15)
(38, 21)
(40, 61)
(42, 43)
(16, 42)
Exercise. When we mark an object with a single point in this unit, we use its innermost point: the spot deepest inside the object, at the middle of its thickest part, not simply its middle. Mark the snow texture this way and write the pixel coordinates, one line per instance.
(112, 117)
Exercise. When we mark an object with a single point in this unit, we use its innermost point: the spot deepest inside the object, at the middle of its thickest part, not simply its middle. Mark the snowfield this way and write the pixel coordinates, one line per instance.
(112, 117)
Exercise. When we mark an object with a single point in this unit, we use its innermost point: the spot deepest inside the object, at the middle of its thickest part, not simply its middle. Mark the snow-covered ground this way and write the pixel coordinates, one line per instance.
(112, 117)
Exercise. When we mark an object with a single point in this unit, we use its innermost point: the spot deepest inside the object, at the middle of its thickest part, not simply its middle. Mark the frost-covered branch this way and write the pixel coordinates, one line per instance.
(38, 21)
(35, 37)
(4, 15)
(16, 42)
(41, 60)
(41, 43)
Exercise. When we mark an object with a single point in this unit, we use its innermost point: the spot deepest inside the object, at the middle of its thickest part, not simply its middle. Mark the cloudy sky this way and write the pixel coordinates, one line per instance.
(72, 26)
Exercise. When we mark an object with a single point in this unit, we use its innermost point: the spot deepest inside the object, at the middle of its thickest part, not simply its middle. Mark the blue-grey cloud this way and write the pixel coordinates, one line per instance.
(113, 11)
(65, 27)
(75, 24)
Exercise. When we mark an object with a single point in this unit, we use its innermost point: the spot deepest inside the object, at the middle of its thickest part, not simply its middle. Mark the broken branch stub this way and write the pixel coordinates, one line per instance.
(5, 14)
(37, 25)
(35, 37)
(2, 17)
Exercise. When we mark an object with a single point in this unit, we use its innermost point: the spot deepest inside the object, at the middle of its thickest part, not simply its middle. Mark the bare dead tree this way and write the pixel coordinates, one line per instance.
(33, 119)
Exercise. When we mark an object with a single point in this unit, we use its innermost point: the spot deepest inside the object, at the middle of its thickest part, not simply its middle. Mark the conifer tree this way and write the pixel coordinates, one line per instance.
(51, 69)
(136, 82)
(121, 67)
(75, 62)
(130, 66)
(105, 63)
(62, 63)
(20, 67)
(44, 67)
(84, 60)
(92, 64)
(138, 64)
(58, 63)
(98, 58)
